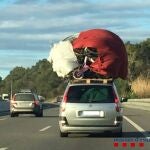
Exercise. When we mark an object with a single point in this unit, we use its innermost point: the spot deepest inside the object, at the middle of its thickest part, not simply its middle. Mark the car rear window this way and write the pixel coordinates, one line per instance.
(90, 94)
(24, 97)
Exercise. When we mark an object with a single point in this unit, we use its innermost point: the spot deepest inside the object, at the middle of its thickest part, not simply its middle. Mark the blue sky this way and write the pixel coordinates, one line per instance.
(29, 27)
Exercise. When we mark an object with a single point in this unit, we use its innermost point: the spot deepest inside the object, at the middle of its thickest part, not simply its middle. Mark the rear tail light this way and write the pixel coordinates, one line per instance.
(65, 98)
(36, 103)
(116, 100)
(63, 105)
(117, 104)
(13, 101)
(117, 107)
(14, 98)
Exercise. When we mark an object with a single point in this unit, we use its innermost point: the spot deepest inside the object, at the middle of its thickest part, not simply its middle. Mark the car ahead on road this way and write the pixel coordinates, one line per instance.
(90, 106)
(26, 102)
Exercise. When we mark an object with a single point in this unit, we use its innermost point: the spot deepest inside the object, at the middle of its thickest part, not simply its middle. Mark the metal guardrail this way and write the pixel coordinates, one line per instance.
(144, 100)
(143, 104)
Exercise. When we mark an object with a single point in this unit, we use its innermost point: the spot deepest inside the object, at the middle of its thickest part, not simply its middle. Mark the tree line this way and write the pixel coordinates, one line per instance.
(40, 78)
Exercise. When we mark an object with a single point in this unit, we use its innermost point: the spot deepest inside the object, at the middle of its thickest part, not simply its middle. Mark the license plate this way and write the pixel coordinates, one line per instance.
(92, 114)
(25, 104)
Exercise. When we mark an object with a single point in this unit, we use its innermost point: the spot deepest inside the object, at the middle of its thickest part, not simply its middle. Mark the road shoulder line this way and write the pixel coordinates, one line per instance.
(140, 129)
(44, 129)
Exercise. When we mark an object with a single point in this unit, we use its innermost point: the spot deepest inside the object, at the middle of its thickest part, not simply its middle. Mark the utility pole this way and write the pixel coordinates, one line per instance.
(11, 88)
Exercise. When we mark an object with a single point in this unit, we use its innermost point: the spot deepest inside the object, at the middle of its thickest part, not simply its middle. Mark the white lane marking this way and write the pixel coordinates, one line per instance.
(3, 148)
(137, 127)
(45, 128)
(3, 119)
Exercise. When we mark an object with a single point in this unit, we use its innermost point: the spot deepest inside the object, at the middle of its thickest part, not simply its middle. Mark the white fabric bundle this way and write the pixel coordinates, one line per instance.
(63, 58)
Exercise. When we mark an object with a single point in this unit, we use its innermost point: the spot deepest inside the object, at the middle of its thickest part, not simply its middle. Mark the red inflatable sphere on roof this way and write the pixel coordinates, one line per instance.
(112, 56)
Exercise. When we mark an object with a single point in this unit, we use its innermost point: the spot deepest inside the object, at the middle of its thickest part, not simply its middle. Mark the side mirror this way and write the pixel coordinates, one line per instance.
(124, 99)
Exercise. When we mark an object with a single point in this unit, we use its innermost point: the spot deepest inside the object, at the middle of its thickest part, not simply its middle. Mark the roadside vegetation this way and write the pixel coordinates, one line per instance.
(141, 87)
(45, 82)
(40, 78)
(138, 83)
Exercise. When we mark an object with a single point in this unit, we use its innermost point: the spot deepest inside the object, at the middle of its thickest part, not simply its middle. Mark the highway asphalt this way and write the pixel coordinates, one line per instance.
(28, 132)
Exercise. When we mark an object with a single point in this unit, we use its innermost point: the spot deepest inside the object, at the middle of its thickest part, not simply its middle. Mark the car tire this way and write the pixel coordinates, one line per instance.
(13, 115)
(39, 114)
(62, 134)
(119, 133)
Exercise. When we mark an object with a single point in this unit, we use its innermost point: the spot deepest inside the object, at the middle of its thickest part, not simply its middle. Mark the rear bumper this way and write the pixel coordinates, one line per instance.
(24, 110)
(81, 129)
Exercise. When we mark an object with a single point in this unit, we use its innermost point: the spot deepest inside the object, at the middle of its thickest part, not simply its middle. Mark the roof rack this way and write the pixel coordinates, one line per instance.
(88, 81)
(25, 91)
